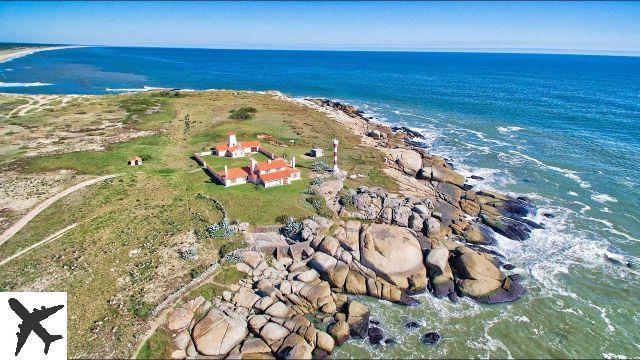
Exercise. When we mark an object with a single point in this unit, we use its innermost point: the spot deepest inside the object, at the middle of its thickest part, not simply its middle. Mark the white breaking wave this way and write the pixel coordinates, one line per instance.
(566, 172)
(585, 207)
(603, 198)
(145, 88)
(20, 84)
(508, 129)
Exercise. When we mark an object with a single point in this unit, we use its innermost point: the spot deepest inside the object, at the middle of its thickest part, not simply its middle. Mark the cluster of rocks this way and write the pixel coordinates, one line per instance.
(393, 261)
(350, 110)
(450, 202)
(442, 234)
(265, 318)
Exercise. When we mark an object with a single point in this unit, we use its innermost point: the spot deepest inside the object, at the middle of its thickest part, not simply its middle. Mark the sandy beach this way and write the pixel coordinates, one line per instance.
(10, 54)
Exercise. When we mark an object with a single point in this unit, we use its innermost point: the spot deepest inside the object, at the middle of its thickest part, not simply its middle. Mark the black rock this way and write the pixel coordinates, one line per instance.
(407, 300)
(453, 296)
(443, 289)
(549, 215)
(467, 187)
(515, 229)
(390, 342)
(412, 325)
(430, 338)
(375, 335)
(509, 293)
(483, 249)
(476, 177)
(319, 354)
(508, 266)
(408, 131)
(374, 321)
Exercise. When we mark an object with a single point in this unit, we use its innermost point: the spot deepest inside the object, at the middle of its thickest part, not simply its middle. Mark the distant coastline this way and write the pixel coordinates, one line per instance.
(10, 54)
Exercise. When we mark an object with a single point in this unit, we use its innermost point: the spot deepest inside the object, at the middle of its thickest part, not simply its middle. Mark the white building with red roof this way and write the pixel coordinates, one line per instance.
(235, 149)
(267, 173)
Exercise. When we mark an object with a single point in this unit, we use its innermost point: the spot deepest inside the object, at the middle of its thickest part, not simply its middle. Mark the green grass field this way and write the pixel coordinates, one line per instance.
(123, 257)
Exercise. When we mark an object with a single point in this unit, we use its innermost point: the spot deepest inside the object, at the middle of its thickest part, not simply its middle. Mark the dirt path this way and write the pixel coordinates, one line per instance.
(45, 204)
(54, 236)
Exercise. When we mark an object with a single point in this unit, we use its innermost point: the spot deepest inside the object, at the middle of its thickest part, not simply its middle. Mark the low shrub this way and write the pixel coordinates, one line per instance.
(196, 271)
(320, 165)
(243, 113)
(292, 227)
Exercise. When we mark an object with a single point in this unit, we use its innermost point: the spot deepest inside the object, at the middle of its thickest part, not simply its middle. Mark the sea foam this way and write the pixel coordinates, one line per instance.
(22, 84)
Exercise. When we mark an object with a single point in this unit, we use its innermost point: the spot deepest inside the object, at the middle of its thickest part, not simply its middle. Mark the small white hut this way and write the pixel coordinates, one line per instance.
(135, 161)
(316, 152)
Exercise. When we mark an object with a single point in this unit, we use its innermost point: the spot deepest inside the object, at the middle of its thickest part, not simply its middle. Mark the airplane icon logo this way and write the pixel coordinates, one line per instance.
(31, 323)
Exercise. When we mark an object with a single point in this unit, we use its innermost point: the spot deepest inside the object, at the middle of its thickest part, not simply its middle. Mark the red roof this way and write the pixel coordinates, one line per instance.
(243, 145)
(231, 133)
(246, 144)
(277, 163)
(136, 158)
(283, 174)
(235, 173)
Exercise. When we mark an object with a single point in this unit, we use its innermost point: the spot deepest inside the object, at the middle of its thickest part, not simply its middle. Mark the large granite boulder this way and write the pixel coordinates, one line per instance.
(407, 160)
(479, 278)
(441, 174)
(340, 332)
(368, 206)
(295, 347)
(480, 234)
(437, 260)
(401, 215)
(181, 317)
(472, 265)
(218, 333)
(358, 319)
(395, 255)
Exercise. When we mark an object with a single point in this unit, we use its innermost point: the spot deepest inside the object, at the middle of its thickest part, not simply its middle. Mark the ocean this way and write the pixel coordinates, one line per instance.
(563, 130)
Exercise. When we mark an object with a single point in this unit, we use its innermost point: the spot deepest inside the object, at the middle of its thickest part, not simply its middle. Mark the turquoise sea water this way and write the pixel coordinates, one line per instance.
(563, 130)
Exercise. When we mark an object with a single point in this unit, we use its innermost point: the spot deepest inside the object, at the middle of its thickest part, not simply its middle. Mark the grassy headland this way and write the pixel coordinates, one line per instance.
(124, 258)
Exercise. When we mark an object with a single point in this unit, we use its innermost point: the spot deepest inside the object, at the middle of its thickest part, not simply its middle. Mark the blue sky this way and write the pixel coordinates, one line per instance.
(577, 27)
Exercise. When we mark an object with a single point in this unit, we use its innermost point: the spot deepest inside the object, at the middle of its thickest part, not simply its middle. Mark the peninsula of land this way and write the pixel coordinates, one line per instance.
(11, 53)
(162, 261)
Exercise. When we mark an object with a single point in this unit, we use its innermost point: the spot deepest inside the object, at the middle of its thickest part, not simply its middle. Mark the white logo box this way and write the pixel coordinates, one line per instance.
(55, 324)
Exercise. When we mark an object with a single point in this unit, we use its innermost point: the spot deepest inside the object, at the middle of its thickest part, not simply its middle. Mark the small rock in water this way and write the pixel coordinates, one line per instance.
(374, 321)
(476, 177)
(412, 325)
(375, 335)
(430, 338)
(516, 277)
(549, 215)
(390, 342)
(453, 296)
(320, 354)
(508, 267)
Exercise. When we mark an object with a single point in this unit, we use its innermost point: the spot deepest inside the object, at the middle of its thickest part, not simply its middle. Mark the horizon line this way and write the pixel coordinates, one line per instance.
(434, 49)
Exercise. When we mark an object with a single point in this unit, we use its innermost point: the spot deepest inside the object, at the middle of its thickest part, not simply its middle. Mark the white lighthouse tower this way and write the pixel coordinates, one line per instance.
(232, 139)
(335, 156)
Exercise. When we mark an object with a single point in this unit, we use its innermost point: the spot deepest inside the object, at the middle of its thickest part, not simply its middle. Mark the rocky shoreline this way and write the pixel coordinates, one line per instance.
(431, 236)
